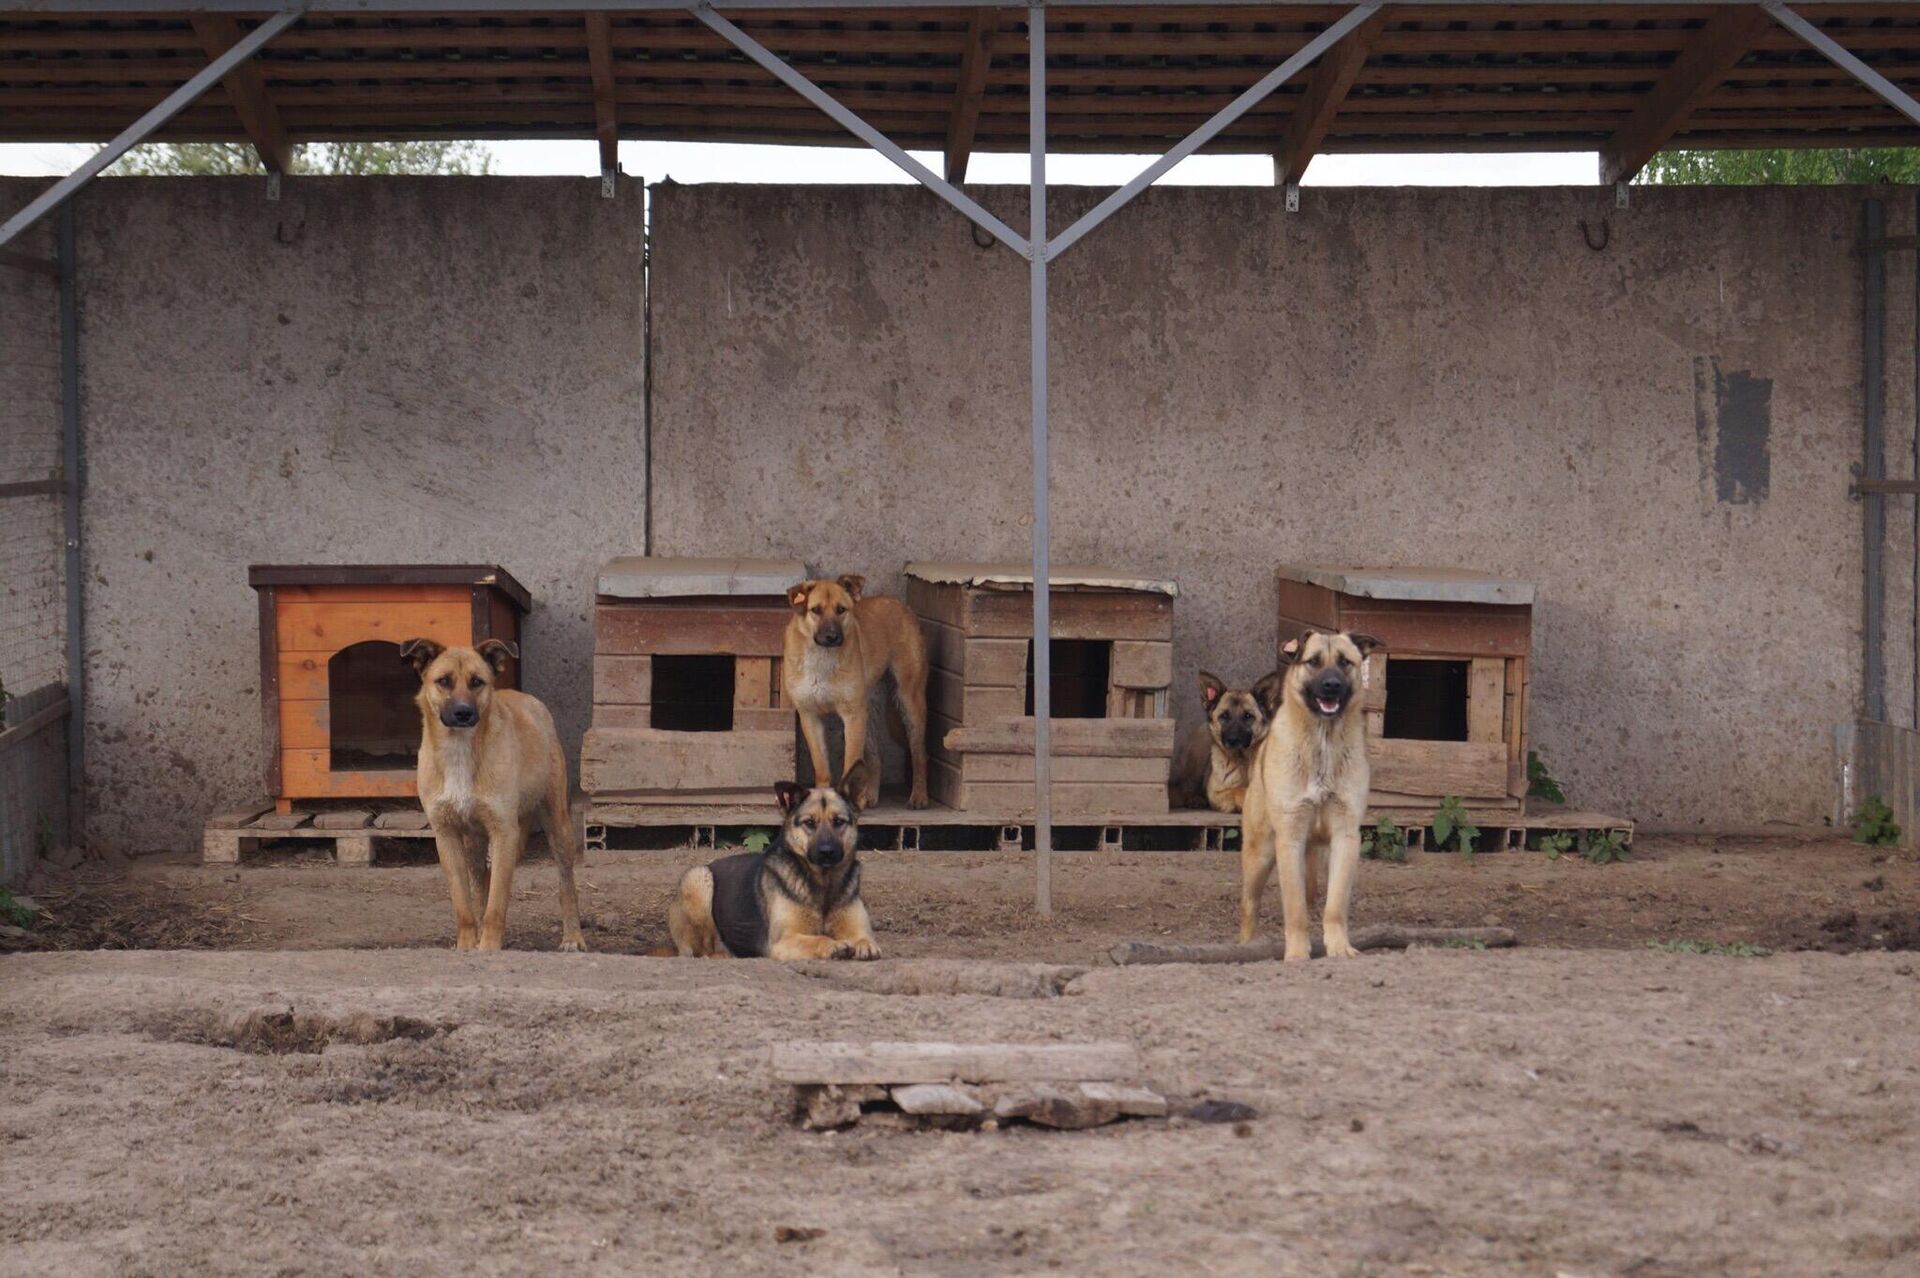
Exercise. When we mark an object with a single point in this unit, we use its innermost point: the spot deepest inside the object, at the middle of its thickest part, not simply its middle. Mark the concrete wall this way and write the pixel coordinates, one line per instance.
(451, 369)
(372, 370)
(1656, 431)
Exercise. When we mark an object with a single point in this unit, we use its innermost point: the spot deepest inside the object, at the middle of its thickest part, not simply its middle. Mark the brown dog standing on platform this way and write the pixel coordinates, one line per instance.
(1211, 769)
(1307, 792)
(490, 764)
(839, 644)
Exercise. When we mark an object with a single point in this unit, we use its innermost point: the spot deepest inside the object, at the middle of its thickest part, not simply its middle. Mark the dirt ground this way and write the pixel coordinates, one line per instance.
(1581, 1105)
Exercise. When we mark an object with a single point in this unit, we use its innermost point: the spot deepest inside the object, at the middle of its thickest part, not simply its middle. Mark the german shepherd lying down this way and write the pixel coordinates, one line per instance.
(800, 899)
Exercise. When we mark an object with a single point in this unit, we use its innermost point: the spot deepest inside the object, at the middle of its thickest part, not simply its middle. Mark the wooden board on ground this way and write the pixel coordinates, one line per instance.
(891, 1063)
(1366, 938)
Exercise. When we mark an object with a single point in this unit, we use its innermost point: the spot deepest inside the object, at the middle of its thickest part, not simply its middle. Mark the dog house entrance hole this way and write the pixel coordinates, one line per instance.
(693, 694)
(373, 724)
(1081, 670)
(1426, 700)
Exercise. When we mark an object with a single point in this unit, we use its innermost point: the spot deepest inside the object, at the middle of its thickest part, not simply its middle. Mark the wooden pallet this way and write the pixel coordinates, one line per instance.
(901, 828)
(351, 830)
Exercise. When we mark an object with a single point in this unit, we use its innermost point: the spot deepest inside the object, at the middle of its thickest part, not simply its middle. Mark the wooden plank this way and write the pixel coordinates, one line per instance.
(349, 819)
(1070, 736)
(376, 592)
(219, 32)
(1712, 52)
(1388, 937)
(633, 630)
(304, 725)
(1426, 629)
(1119, 770)
(750, 720)
(1468, 769)
(974, 63)
(1136, 703)
(606, 121)
(281, 821)
(937, 603)
(465, 576)
(648, 759)
(1486, 699)
(980, 663)
(947, 696)
(1077, 614)
(889, 1063)
(270, 666)
(239, 818)
(1303, 605)
(622, 681)
(612, 804)
(1326, 92)
(329, 627)
(1091, 801)
(306, 774)
(1141, 664)
(753, 685)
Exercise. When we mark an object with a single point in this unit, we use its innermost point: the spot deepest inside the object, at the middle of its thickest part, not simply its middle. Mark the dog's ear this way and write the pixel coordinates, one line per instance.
(853, 583)
(788, 794)
(419, 653)
(852, 783)
(1290, 650)
(1367, 644)
(797, 595)
(1271, 690)
(498, 652)
(1211, 689)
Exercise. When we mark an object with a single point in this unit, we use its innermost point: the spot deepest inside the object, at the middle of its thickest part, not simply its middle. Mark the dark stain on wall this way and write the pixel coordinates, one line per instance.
(1733, 429)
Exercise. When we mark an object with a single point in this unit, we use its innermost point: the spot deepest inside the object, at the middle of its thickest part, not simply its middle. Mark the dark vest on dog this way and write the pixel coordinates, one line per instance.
(737, 915)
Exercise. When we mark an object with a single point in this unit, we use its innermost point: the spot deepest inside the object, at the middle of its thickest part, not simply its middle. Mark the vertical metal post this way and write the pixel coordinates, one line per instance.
(1915, 472)
(1874, 460)
(70, 502)
(1042, 584)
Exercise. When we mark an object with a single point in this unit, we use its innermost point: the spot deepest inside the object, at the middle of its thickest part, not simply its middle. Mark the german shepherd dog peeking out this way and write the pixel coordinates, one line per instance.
(1211, 769)
(800, 899)
(490, 765)
(1307, 791)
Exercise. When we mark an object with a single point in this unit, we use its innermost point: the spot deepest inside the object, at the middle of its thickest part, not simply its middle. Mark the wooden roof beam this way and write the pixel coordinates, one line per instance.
(606, 114)
(974, 60)
(1722, 41)
(1332, 77)
(217, 33)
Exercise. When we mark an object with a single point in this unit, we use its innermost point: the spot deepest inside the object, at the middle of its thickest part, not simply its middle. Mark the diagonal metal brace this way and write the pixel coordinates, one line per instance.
(174, 103)
(1889, 92)
(1212, 128)
(847, 120)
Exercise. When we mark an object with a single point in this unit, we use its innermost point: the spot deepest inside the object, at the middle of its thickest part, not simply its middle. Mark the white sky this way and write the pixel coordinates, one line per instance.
(713, 162)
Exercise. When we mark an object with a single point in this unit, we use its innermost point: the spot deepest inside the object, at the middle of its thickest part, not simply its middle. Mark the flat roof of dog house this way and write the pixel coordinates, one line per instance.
(1430, 585)
(1019, 576)
(391, 575)
(642, 577)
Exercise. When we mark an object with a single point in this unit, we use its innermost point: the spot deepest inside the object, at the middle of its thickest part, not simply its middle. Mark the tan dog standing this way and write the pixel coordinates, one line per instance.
(490, 764)
(838, 646)
(1308, 791)
(1211, 769)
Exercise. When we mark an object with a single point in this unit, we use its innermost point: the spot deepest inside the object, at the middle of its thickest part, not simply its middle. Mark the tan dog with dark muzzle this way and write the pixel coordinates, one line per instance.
(490, 765)
(1307, 793)
(1211, 770)
(839, 645)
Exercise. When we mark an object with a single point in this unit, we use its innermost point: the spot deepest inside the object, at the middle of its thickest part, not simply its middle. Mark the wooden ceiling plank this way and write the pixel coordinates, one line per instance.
(1717, 48)
(217, 33)
(606, 114)
(1333, 75)
(974, 63)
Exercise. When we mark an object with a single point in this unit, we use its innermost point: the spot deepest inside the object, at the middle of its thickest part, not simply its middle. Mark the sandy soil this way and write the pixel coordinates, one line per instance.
(1607, 1110)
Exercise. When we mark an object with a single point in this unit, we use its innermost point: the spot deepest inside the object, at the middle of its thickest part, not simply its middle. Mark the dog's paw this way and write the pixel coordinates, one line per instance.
(918, 800)
(573, 947)
(1340, 947)
(862, 949)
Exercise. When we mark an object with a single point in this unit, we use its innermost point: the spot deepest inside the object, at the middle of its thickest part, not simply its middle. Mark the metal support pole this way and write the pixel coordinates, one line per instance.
(1873, 505)
(70, 510)
(137, 132)
(858, 127)
(1042, 581)
(1213, 127)
(1892, 94)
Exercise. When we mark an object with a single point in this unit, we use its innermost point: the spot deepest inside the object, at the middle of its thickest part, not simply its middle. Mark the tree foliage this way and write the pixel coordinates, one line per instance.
(1862, 166)
(235, 159)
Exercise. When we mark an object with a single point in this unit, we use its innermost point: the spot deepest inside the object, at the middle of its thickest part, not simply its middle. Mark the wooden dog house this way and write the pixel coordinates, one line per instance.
(687, 703)
(1447, 701)
(336, 699)
(1111, 662)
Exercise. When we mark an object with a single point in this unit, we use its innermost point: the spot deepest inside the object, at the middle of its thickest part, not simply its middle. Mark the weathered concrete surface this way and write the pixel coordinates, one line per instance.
(375, 370)
(1657, 433)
